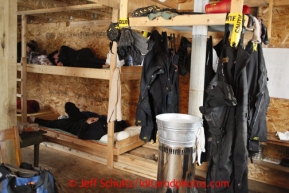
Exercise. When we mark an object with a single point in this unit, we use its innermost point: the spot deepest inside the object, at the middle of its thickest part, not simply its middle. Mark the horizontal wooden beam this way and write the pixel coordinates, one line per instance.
(280, 2)
(59, 9)
(69, 71)
(108, 3)
(127, 72)
(256, 3)
(60, 3)
(167, 3)
(250, 3)
(74, 23)
(180, 20)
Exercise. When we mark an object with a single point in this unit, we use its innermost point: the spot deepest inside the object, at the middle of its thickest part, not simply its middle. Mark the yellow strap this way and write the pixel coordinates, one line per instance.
(145, 34)
(123, 22)
(236, 19)
(255, 47)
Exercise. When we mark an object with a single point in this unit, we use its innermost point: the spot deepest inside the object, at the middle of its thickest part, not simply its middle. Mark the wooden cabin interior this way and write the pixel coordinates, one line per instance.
(83, 23)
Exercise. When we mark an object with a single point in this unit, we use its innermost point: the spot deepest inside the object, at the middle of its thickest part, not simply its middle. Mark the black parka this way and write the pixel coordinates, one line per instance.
(158, 87)
(258, 96)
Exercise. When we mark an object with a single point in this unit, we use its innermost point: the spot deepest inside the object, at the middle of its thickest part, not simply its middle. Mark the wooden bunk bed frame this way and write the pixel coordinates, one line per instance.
(127, 73)
(92, 147)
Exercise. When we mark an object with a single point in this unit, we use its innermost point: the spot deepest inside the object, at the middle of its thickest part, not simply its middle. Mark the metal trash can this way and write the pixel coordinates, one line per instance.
(177, 137)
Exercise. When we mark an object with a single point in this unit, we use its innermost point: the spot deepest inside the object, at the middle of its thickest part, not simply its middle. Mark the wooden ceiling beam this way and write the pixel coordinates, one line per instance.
(46, 18)
(251, 3)
(256, 3)
(76, 23)
(99, 12)
(167, 3)
(108, 3)
(73, 14)
(280, 2)
(60, 9)
(63, 4)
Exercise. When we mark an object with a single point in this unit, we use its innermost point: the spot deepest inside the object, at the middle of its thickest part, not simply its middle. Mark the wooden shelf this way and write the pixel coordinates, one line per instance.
(41, 112)
(271, 165)
(68, 71)
(127, 72)
(273, 139)
(180, 20)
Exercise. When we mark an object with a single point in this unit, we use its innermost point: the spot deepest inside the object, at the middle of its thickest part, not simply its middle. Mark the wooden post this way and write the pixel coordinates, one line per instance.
(8, 59)
(237, 6)
(198, 58)
(123, 9)
(269, 32)
(23, 69)
(113, 60)
(110, 131)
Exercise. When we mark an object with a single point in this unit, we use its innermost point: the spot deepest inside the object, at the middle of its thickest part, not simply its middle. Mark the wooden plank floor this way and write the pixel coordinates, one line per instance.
(70, 170)
(78, 169)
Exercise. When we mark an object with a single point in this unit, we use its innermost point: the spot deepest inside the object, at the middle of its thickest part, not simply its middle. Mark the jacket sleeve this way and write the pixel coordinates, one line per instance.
(83, 127)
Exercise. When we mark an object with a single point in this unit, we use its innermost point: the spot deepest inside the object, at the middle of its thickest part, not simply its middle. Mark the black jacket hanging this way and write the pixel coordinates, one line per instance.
(184, 62)
(209, 74)
(258, 96)
(157, 94)
(225, 111)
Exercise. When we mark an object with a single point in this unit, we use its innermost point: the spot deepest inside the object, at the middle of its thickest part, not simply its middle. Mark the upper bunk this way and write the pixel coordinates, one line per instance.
(65, 14)
(126, 72)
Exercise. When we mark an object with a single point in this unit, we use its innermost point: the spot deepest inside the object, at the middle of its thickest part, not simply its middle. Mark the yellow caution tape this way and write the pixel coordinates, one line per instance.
(256, 138)
(236, 20)
(145, 34)
(123, 22)
(255, 47)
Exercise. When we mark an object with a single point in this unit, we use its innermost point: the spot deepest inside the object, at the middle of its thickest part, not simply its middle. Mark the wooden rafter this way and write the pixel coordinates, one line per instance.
(250, 3)
(50, 15)
(167, 3)
(108, 3)
(63, 4)
(280, 2)
(60, 9)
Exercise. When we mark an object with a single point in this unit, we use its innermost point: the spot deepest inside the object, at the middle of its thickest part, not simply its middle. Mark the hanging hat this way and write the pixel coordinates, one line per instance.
(32, 44)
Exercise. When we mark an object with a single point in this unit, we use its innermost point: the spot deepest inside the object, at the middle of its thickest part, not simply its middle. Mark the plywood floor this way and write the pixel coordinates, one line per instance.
(76, 174)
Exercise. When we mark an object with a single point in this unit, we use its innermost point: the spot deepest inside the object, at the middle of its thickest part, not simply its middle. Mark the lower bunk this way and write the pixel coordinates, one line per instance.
(125, 141)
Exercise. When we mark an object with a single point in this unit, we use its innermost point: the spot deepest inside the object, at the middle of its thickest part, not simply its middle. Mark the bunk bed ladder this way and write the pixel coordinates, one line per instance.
(21, 81)
(22, 73)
